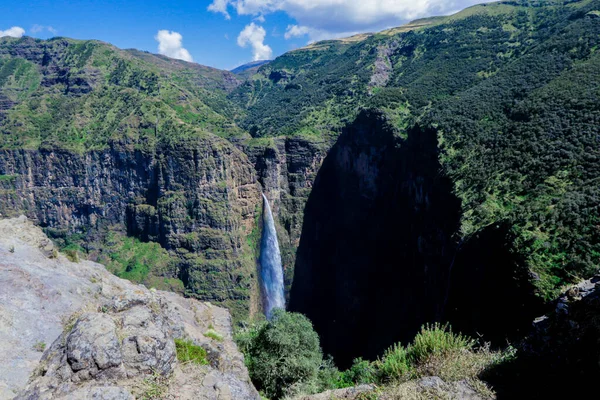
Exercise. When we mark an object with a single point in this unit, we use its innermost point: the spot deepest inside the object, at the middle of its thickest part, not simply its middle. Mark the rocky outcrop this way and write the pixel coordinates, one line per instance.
(76, 331)
(197, 199)
(560, 358)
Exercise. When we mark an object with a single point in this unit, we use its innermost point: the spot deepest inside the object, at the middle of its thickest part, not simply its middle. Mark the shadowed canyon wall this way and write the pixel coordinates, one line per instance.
(379, 255)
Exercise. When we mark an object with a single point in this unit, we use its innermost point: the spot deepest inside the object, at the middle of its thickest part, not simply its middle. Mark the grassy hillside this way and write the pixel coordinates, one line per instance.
(82, 94)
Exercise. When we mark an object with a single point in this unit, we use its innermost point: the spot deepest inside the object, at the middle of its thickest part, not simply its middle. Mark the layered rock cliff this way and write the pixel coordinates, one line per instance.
(197, 199)
(73, 330)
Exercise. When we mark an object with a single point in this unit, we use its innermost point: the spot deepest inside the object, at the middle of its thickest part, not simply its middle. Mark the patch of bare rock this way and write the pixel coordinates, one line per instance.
(72, 330)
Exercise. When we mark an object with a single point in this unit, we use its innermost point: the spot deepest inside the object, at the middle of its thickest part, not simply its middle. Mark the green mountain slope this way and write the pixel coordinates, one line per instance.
(83, 94)
(511, 89)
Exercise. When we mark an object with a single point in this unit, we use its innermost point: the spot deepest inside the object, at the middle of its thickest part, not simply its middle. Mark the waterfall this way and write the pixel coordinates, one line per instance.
(271, 270)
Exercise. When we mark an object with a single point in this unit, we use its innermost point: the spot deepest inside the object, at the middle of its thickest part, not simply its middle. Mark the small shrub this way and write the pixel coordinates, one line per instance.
(395, 364)
(436, 339)
(72, 255)
(329, 377)
(39, 346)
(283, 353)
(187, 351)
(11, 248)
(154, 387)
(361, 372)
(213, 335)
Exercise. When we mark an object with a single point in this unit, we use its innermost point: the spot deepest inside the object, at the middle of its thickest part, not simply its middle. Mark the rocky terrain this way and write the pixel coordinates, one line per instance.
(423, 389)
(73, 330)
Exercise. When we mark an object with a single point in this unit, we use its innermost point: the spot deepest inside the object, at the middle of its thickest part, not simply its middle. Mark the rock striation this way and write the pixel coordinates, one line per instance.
(74, 331)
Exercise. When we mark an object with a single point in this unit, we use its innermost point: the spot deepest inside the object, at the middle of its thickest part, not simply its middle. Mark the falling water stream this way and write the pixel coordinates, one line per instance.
(271, 270)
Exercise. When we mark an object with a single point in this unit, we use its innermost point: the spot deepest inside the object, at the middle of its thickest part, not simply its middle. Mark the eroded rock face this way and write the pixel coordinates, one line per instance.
(197, 198)
(106, 338)
(286, 169)
(561, 356)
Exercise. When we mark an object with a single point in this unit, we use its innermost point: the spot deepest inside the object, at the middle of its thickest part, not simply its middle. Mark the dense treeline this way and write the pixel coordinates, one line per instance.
(523, 147)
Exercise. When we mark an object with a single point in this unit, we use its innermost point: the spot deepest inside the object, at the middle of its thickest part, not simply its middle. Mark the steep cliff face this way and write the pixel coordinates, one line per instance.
(380, 253)
(197, 199)
(286, 168)
(377, 240)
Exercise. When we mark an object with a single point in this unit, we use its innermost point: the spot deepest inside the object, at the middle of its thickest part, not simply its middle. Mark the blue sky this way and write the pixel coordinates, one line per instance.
(231, 33)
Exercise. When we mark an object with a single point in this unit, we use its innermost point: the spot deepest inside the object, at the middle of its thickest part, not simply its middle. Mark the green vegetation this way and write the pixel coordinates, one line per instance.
(72, 254)
(281, 353)
(284, 359)
(140, 262)
(511, 88)
(103, 94)
(211, 333)
(187, 351)
(154, 387)
(39, 346)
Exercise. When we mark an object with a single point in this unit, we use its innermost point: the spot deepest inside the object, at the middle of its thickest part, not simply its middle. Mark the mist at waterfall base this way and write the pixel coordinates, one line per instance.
(271, 270)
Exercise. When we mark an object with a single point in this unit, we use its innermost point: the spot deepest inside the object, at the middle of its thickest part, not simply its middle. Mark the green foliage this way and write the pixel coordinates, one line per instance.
(361, 372)
(8, 178)
(211, 333)
(395, 364)
(140, 262)
(72, 253)
(126, 94)
(436, 351)
(154, 387)
(284, 358)
(281, 353)
(435, 340)
(39, 346)
(187, 351)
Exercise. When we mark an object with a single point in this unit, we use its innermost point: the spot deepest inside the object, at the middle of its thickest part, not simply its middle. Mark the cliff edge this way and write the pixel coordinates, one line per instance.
(70, 329)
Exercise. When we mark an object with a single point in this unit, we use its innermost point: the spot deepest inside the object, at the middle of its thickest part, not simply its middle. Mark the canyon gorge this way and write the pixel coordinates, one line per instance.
(444, 171)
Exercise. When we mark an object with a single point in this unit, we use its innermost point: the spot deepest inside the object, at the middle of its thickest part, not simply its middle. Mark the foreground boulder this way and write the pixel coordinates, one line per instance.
(73, 330)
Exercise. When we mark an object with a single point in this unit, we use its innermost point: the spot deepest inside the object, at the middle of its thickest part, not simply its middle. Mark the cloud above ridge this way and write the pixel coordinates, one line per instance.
(41, 28)
(254, 36)
(170, 44)
(15, 31)
(321, 19)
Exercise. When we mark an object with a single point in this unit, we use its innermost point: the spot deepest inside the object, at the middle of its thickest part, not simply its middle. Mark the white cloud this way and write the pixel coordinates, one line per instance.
(220, 6)
(293, 31)
(315, 35)
(169, 44)
(15, 31)
(330, 18)
(254, 35)
(40, 28)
